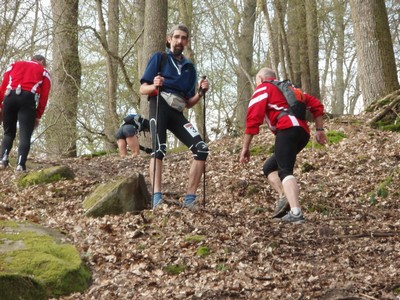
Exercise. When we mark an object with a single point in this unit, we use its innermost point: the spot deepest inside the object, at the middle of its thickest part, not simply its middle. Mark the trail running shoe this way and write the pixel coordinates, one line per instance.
(20, 168)
(3, 164)
(281, 208)
(190, 204)
(157, 199)
(291, 218)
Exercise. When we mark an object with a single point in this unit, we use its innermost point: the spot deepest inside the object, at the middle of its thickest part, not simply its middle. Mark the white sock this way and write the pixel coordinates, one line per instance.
(296, 211)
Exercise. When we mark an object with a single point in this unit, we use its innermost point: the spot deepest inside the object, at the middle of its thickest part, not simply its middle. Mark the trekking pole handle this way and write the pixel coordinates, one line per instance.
(204, 77)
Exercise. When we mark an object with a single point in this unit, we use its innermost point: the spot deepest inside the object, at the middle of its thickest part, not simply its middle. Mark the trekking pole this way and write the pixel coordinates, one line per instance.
(155, 137)
(204, 133)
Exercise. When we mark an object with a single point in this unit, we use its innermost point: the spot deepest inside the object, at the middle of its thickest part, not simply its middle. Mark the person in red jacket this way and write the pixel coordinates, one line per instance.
(23, 98)
(291, 136)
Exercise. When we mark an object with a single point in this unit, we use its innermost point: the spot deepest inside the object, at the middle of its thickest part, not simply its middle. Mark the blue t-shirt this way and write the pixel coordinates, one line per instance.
(180, 76)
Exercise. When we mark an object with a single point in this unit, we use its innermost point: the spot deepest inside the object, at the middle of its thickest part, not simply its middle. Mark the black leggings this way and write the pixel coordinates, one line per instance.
(21, 108)
(176, 122)
(288, 143)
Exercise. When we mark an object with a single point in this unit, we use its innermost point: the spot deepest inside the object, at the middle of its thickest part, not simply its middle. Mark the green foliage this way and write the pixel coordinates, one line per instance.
(258, 150)
(194, 238)
(396, 290)
(252, 190)
(372, 199)
(390, 122)
(381, 191)
(174, 269)
(392, 126)
(222, 267)
(306, 167)
(203, 251)
(258, 210)
(323, 206)
(333, 138)
(273, 244)
(141, 247)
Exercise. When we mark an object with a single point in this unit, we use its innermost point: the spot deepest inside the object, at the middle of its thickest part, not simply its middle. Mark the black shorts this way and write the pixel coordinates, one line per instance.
(125, 131)
(288, 143)
(174, 121)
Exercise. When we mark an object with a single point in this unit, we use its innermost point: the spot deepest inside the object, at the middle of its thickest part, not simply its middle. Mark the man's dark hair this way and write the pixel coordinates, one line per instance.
(39, 58)
(181, 27)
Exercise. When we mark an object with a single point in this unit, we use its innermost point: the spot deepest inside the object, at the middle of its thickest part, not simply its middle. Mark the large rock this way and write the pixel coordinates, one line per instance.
(46, 176)
(118, 196)
(37, 264)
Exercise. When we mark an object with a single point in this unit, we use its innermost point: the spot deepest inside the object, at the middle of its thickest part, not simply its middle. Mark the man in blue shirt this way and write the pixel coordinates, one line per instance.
(177, 84)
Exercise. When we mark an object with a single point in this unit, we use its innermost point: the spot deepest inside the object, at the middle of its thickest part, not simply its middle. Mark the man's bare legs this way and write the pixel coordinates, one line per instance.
(133, 143)
(288, 188)
(122, 147)
(292, 191)
(195, 173)
(276, 183)
(157, 184)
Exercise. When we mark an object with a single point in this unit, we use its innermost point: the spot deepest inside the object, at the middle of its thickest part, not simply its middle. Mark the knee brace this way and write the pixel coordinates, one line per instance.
(160, 152)
(200, 151)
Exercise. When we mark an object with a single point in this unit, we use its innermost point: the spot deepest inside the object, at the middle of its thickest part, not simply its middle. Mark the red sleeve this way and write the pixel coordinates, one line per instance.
(257, 110)
(44, 94)
(314, 105)
(4, 83)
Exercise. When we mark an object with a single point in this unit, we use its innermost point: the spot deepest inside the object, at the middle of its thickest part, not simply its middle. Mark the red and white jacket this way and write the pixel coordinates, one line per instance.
(32, 77)
(268, 102)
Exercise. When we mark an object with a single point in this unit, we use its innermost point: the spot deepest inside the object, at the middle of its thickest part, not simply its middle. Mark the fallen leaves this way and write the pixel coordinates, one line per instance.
(347, 247)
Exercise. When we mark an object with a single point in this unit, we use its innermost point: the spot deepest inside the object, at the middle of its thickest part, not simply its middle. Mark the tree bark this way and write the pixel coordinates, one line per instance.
(374, 47)
(155, 32)
(338, 100)
(313, 47)
(245, 57)
(110, 40)
(66, 79)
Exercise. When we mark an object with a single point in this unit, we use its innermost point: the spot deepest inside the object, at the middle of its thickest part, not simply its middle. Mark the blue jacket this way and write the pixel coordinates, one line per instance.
(178, 80)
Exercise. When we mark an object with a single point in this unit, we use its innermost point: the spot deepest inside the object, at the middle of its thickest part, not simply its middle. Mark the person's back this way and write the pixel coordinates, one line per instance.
(23, 97)
(28, 74)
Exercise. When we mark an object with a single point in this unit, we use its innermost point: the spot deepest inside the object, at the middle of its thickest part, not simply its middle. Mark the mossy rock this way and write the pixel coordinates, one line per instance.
(21, 287)
(46, 176)
(118, 196)
(36, 264)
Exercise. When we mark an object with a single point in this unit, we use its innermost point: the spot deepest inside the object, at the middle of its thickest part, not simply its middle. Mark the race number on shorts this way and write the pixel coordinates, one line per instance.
(191, 129)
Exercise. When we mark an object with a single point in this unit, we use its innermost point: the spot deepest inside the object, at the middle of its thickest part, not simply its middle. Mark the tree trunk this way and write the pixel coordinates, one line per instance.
(110, 39)
(66, 78)
(313, 47)
(112, 123)
(274, 58)
(374, 47)
(338, 100)
(186, 14)
(155, 32)
(245, 57)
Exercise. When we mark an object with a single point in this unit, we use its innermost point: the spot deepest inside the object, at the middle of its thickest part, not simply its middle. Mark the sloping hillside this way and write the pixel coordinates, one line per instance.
(349, 247)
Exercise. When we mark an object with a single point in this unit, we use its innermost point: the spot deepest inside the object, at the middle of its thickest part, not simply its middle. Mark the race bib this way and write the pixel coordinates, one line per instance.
(191, 129)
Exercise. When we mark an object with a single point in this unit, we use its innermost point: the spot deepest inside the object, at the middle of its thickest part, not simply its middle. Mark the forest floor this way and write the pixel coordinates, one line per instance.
(230, 248)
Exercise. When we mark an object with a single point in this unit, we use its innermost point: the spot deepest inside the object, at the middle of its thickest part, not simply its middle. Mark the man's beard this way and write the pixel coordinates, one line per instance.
(177, 51)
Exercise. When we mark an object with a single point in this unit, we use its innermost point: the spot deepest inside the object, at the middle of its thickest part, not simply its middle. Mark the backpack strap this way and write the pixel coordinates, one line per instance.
(162, 62)
(285, 111)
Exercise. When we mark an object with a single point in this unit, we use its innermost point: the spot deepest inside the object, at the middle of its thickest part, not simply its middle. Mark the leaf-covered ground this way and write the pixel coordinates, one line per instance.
(230, 248)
